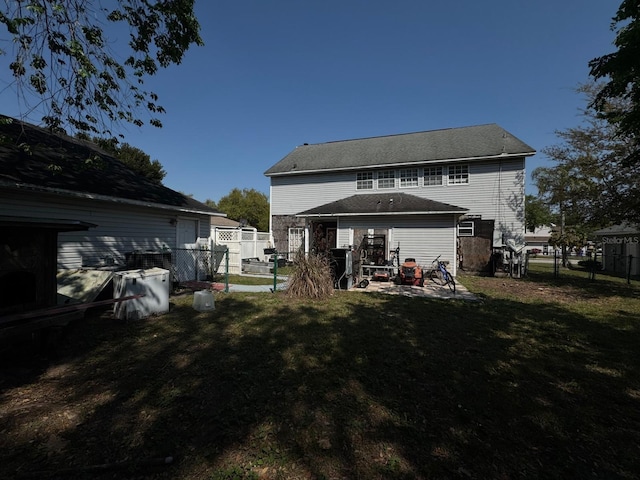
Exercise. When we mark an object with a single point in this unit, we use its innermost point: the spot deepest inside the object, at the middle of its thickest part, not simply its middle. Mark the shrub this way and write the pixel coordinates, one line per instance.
(590, 264)
(310, 277)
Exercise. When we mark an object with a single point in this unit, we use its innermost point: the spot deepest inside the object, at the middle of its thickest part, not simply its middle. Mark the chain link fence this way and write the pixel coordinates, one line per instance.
(185, 264)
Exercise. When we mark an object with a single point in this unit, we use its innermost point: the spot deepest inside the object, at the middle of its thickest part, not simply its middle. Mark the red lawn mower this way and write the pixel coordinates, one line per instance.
(410, 273)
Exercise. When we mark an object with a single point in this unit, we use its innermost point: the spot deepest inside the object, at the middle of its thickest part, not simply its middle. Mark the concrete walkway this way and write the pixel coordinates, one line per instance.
(255, 288)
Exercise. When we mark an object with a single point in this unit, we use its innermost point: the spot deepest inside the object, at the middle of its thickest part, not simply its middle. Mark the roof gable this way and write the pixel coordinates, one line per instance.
(33, 158)
(482, 141)
(382, 204)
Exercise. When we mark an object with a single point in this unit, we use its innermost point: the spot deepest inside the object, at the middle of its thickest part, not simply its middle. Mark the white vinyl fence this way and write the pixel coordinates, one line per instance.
(242, 243)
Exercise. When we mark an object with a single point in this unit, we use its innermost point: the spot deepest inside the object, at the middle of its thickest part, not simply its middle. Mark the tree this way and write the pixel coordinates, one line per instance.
(135, 159)
(568, 238)
(62, 58)
(622, 71)
(248, 204)
(591, 184)
(537, 213)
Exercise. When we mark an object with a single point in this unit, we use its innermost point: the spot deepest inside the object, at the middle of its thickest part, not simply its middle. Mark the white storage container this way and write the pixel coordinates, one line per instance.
(153, 283)
(204, 301)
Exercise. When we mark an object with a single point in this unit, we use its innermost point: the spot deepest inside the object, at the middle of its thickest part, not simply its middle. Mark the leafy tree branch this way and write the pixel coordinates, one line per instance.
(63, 62)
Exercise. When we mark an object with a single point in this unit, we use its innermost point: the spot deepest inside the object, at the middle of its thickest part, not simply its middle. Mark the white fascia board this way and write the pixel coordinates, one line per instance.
(376, 214)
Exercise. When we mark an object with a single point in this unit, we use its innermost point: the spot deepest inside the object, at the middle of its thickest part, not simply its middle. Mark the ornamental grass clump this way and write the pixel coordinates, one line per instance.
(310, 277)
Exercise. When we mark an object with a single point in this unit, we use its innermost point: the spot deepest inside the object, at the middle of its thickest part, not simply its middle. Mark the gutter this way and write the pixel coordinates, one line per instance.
(106, 198)
(418, 163)
(378, 214)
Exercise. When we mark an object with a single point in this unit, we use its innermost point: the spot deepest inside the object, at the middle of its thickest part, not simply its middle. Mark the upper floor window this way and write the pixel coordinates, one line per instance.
(409, 177)
(458, 174)
(364, 181)
(432, 176)
(466, 229)
(387, 179)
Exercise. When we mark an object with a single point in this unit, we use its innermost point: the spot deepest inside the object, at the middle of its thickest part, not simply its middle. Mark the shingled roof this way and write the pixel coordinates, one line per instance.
(33, 159)
(382, 204)
(476, 142)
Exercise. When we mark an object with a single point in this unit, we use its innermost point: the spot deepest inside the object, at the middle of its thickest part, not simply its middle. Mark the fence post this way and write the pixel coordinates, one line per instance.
(629, 269)
(226, 271)
(275, 270)
(593, 261)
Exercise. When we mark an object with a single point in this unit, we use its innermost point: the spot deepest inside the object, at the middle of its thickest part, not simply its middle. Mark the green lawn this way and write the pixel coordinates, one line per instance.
(538, 379)
(248, 279)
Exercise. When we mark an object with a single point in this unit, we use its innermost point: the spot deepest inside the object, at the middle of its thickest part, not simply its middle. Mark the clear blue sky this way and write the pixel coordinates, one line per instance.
(275, 74)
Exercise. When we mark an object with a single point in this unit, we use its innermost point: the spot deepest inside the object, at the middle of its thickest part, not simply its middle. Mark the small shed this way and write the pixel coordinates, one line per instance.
(620, 248)
(28, 269)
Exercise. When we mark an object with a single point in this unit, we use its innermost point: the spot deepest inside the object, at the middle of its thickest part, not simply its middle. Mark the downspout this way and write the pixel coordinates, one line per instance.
(306, 237)
(454, 269)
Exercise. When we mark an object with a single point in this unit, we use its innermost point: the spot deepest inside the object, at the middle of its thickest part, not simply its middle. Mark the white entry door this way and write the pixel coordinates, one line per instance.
(296, 241)
(185, 257)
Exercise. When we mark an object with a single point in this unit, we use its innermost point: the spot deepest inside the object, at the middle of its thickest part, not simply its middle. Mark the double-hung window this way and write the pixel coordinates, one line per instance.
(465, 229)
(364, 181)
(387, 179)
(458, 174)
(408, 177)
(432, 176)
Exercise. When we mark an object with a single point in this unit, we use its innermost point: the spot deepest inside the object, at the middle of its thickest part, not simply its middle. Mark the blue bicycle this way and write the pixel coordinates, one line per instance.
(440, 275)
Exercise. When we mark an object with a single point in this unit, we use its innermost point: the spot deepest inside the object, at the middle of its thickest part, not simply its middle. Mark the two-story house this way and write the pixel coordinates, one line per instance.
(457, 193)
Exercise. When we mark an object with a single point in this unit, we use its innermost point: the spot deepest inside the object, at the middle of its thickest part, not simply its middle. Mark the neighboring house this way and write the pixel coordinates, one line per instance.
(46, 177)
(539, 239)
(620, 248)
(457, 193)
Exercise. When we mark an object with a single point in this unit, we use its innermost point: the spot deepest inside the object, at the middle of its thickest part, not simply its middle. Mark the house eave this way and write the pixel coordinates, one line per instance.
(56, 224)
(377, 214)
(105, 198)
(381, 166)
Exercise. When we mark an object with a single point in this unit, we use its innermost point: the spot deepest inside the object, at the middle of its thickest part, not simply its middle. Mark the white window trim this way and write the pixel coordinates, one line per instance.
(469, 224)
(443, 174)
(369, 181)
(449, 169)
(393, 179)
(401, 178)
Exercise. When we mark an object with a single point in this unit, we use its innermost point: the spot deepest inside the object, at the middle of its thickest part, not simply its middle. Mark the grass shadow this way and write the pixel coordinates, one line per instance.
(360, 386)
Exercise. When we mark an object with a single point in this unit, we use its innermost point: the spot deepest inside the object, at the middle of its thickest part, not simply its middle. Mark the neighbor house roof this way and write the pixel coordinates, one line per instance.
(224, 222)
(453, 144)
(621, 229)
(382, 204)
(34, 159)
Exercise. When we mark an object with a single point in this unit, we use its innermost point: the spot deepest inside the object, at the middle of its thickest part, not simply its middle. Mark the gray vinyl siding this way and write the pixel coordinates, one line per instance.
(121, 228)
(426, 242)
(495, 192)
(294, 194)
(422, 238)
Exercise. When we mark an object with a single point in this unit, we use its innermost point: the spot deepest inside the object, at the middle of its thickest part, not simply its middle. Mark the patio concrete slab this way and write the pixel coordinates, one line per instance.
(430, 290)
